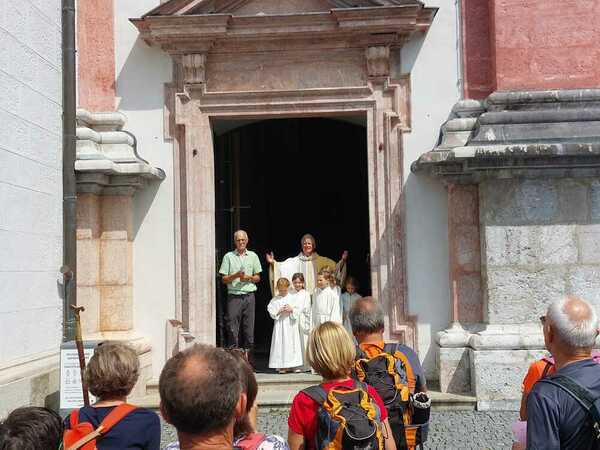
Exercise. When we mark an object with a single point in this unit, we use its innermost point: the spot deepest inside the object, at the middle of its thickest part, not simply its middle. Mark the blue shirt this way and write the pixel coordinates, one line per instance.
(555, 420)
(138, 430)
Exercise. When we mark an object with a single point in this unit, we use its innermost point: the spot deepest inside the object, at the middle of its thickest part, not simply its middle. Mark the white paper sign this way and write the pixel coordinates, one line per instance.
(71, 395)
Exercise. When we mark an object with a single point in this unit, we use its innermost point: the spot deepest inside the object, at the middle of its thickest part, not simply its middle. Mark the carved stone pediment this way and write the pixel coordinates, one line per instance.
(189, 26)
(253, 7)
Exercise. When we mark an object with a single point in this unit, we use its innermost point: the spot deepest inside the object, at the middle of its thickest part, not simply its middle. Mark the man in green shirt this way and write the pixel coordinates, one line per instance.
(240, 271)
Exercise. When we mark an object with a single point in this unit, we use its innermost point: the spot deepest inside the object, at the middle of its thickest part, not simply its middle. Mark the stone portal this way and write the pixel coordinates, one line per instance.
(262, 59)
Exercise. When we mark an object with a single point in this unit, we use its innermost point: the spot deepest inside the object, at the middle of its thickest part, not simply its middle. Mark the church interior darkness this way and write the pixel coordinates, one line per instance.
(281, 178)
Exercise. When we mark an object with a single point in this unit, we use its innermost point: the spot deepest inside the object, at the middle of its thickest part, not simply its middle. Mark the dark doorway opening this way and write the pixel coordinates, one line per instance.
(281, 178)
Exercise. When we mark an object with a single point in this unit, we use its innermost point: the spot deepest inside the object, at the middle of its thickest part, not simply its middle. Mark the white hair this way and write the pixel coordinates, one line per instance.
(574, 333)
(240, 233)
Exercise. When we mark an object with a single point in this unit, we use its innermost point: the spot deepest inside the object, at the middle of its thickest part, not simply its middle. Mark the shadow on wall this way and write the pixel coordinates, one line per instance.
(140, 81)
(142, 202)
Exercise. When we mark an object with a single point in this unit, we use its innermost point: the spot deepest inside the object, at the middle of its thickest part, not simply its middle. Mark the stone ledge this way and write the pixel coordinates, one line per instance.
(107, 159)
(525, 134)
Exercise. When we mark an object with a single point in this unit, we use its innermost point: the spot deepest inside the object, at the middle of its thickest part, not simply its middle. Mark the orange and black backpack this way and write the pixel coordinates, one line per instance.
(82, 435)
(392, 376)
(347, 418)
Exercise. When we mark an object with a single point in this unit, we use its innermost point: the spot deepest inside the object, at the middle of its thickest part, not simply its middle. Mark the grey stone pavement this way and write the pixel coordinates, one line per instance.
(469, 430)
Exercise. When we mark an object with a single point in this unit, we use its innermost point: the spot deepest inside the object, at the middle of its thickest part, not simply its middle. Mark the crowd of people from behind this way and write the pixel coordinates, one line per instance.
(373, 394)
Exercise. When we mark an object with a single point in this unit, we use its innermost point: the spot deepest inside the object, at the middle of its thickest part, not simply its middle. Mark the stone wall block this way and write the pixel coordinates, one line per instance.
(470, 306)
(463, 202)
(497, 376)
(88, 262)
(507, 246)
(89, 298)
(455, 370)
(468, 252)
(516, 295)
(114, 262)
(557, 245)
(116, 308)
(88, 214)
(589, 244)
(584, 281)
(595, 201)
(117, 215)
(573, 200)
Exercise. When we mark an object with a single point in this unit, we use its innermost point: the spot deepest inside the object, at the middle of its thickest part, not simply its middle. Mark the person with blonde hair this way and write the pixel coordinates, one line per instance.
(286, 347)
(111, 375)
(331, 354)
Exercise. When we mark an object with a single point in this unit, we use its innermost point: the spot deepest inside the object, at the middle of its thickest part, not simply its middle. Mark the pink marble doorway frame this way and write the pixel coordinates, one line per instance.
(382, 102)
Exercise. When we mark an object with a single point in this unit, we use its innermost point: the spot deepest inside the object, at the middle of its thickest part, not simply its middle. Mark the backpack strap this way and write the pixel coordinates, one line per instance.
(317, 393)
(546, 367)
(581, 394)
(394, 350)
(74, 418)
(114, 417)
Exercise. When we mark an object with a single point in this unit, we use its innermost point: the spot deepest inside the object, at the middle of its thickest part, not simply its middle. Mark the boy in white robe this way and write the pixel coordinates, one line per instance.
(303, 303)
(326, 302)
(347, 300)
(286, 349)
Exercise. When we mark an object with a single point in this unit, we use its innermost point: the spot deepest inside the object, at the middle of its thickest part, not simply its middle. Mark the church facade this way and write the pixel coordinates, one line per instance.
(480, 154)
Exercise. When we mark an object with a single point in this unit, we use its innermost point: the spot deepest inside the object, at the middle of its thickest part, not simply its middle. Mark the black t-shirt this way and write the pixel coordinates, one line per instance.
(555, 420)
(140, 429)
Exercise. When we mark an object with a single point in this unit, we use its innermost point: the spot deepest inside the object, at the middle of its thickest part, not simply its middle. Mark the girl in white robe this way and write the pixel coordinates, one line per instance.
(302, 301)
(286, 349)
(347, 300)
(326, 302)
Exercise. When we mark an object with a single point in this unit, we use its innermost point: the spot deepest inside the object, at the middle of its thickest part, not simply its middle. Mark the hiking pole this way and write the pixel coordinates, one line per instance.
(80, 353)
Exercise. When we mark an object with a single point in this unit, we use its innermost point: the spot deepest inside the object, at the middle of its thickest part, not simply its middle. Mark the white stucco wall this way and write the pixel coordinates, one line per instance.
(141, 72)
(30, 181)
(432, 61)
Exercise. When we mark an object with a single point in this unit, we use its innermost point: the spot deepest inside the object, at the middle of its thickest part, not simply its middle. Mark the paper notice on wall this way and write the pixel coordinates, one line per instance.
(71, 394)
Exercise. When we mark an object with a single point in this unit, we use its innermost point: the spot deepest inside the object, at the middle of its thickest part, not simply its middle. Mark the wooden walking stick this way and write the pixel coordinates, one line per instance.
(81, 353)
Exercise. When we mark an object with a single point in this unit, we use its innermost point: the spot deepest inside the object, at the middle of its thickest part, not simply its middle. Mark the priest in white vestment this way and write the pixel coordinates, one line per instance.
(286, 347)
(307, 262)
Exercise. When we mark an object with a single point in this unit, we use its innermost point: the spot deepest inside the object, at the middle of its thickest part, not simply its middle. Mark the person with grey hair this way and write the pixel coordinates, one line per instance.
(201, 395)
(373, 358)
(556, 415)
(240, 271)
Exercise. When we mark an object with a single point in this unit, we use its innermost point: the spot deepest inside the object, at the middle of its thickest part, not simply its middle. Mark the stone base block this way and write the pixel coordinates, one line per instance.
(31, 382)
(497, 376)
(455, 370)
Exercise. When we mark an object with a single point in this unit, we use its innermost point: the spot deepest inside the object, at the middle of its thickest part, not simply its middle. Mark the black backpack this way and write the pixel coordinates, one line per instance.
(347, 418)
(391, 374)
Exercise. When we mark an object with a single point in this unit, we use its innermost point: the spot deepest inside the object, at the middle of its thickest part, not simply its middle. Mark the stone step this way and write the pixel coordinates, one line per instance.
(278, 391)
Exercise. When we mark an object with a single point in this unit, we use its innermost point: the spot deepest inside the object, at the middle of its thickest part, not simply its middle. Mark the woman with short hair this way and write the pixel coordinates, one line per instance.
(331, 354)
(111, 375)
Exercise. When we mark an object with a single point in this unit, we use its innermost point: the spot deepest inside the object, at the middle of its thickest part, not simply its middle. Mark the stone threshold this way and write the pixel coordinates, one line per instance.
(278, 391)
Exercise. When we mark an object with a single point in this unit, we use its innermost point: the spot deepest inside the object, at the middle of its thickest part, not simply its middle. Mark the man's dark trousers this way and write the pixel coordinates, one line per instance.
(240, 311)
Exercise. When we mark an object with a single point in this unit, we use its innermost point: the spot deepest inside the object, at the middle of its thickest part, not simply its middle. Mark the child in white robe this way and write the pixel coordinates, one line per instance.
(302, 302)
(326, 302)
(286, 349)
(347, 300)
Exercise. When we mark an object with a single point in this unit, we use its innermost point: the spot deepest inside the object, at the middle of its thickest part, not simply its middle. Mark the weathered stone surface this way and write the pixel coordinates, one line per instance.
(510, 246)
(455, 370)
(595, 200)
(573, 200)
(516, 296)
(497, 376)
(589, 243)
(585, 282)
(470, 306)
(557, 245)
